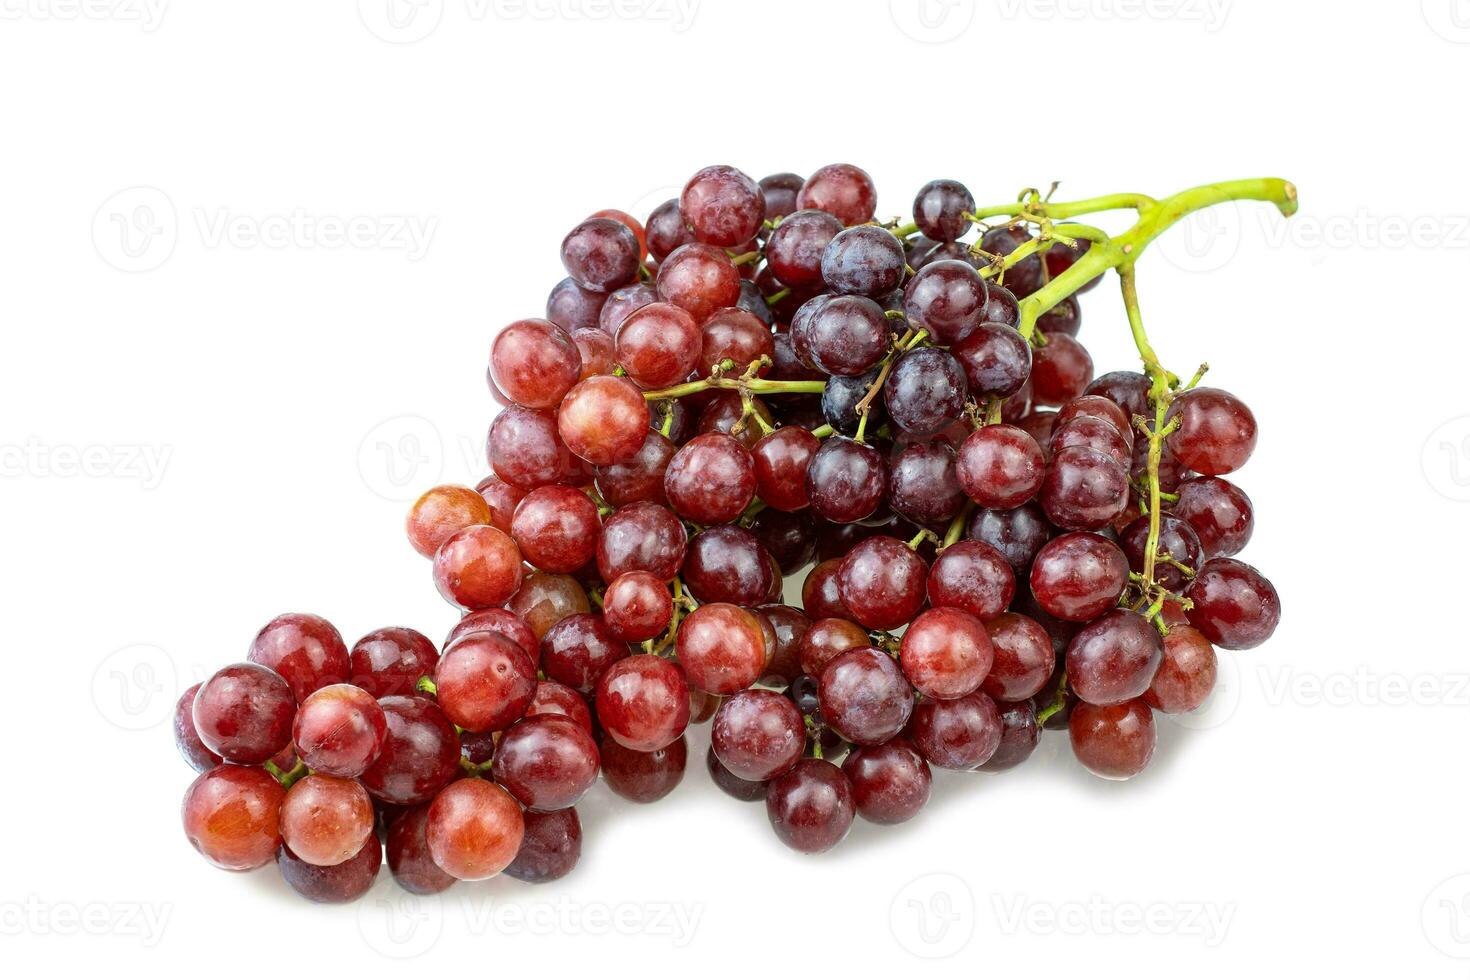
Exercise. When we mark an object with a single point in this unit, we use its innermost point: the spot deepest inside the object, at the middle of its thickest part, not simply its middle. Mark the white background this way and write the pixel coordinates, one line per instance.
(253, 417)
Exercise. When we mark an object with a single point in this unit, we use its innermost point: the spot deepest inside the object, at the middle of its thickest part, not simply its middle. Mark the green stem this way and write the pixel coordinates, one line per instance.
(759, 386)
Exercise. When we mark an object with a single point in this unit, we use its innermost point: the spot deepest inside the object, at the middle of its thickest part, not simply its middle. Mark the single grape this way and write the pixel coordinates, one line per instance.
(1218, 511)
(637, 606)
(502, 498)
(890, 782)
(643, 702)
(946, 653)
(1113, 741)
(525, 449)
(758, 735)
(736, 335)
(1001, 306)
(925, 392)
(1235, 606)
(846, 335)
(474, 829)
(865, 697)
(577, 650)
(502, 621)
(1186, 676)
(304, 649)
(231, 815)
(345, 882)
(1176, 539)
(1024, 658)
(1126, 389)
(722, 648)
(1083, 489)
(478, 567)
(440, 512)
(863, 261)
(781, 462)
(1018, 533)
(727, 564)
(1216, 433)
(667, 230)
(959, 734)
(547, 762)
(243, 713)
(339, 730)
(603, 420)
(484, 682)
(840, 189)
(846, 480)
(825, 640)
(325, 820)
(572, 307)
(1060, 371)
(810, 807)
(420, 754)
(820, 596)
(1078, 576)
(1019, 737)
(644, 777)
(1092, 433)
(923, 485)
(940, 210)
(972, 576)
(722, 206)
(391, 660)
(1114, 658)
(698, 278)
(882, 582)
(1026, 276)
(795, 248)
(640, 476)
(711, 479)
(556, 529)
(1000, 466)
(409, 859)
(535, 363)
(996, 360)
(550, 847)
(946, 299)
(601, 254)
(658, 345)
(642, 537)
(545, 600)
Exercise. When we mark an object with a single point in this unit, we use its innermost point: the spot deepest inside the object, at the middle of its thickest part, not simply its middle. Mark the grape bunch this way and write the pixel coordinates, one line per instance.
(763, 381)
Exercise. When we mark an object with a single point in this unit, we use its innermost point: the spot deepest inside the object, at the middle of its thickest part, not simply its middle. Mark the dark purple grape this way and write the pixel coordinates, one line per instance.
(726, 563)
(1219, 512)
(789, 538)
(845, 335)
(959, 734)
(550, 847)
(794, 250)
(601, 254)
(667, 230)
(840, 398)
(1235, 606)
(1018, 534)
(644, 777)
(925, 392)
(344, 882)
(1001, 306)
(923, 485)
(780, 191)
(864, 261)
(890, 782)
(996, 360)
(1084, 489)
(846, 480)
(946, 298)
(1126, 389)
(940, 208)
(810, 807)
(1018, 738)
(732, 785)
(1026, 276)
(573, 308)
(1114, 658)
(1176, 539)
